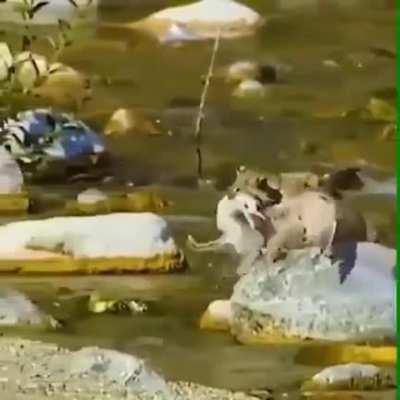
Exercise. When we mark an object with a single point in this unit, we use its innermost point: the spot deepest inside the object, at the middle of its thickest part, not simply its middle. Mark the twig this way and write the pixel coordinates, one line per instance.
(200, 115)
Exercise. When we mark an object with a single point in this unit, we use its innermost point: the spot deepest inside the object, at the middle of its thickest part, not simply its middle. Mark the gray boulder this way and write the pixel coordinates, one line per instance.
(11, 179)
(17, 310)
(347, 297)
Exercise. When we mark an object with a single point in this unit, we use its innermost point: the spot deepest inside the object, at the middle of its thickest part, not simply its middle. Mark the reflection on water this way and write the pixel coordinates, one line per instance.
(306, 105)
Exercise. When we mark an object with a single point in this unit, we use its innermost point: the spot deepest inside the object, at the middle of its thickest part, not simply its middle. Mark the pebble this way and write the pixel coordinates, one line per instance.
(249, 88)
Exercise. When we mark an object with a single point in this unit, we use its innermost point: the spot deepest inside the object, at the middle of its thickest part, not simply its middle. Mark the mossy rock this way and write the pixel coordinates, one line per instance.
(14, 204)
(132, 202)
(61, 264)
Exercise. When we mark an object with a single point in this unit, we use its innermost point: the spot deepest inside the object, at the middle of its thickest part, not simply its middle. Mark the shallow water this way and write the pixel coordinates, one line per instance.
(306, 106)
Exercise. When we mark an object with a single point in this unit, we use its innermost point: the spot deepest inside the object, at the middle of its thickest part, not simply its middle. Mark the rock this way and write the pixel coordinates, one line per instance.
(201, 20)
(217, 317)
(30, 68)
(249, 70)
(114, 242)
(388, 133)
(350, 377)
(249, 88)
(34, 370)
(381, 110)
(99, 305)
(51, 12)
(11, 179)
(12, 198)
(124, 121)
(64, 86)
(121, 369)
(6, 61)
(17, 310)
(242, 70)
(91, 196)
(309, 296)
(138, 201)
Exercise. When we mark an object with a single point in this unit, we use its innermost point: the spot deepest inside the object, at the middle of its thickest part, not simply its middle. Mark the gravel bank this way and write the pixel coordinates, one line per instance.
(31, 371)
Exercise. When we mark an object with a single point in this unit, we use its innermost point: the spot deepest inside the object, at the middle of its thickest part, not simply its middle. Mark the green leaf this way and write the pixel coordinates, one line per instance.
(37, 7)
(73, 2)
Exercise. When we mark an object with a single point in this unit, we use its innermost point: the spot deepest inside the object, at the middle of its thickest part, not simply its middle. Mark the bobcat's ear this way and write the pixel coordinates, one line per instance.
(262, 182)
(240, 170)
(312, 181)
(230, 194)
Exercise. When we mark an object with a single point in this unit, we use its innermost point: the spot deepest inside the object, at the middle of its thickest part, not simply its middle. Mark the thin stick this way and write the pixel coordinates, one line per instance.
(200, 115)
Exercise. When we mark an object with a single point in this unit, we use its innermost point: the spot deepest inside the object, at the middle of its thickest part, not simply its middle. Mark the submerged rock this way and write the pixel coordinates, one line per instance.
(11, 179)
(114, 242)
(249, 88)
(17, 310)
(244, 70)
(309, 296)
(99, 305)
(350, 377)
(91, 196)
(201, 20)
(64, 86)
(93, 201)
(218, 316)
(125, 121)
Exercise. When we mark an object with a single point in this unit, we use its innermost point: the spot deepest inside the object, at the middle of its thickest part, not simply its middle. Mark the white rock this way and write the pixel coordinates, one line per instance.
(204, 19)
(113, 366)
(29, 69)
(242, 70)
(6, 60)
(91, 196)
(249, 88)
(306, 296)
(126, 120)
(11, 179)
(210, 11)
(345, 372)
(56, 9)
(141, 235)
(351, 376)
(386, 187)
(218, 316)
(17, 309)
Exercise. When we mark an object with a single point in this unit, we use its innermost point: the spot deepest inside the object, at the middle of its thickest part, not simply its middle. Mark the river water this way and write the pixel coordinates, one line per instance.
(305, 106)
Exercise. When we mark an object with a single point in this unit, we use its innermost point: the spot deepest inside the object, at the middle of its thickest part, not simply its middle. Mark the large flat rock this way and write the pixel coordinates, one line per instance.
(309, 296)
(108, 243)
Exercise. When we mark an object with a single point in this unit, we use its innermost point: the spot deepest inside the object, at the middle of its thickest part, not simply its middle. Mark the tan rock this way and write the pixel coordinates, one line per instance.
(64, 85)
(125, 121)
(30, 68)
(217, 317)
